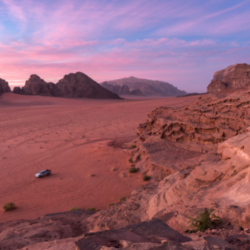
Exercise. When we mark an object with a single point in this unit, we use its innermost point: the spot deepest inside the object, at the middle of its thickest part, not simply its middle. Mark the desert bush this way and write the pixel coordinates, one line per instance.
(133, 146)
(111, 204)
(130, 160)
(204, 221)
(9, 206)
(74, 208)
(123, 198)
(91, 209)
(132, 170)
(146, 178)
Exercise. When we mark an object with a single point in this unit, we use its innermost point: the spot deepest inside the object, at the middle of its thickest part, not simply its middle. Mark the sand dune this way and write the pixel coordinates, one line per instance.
(74, 138)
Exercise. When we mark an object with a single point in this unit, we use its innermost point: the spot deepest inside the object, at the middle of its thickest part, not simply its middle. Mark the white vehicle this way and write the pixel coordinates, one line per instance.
(43, 173)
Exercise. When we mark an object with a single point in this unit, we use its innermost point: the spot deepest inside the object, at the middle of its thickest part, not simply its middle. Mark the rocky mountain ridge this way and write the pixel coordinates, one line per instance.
(147, 87)
(76, 85)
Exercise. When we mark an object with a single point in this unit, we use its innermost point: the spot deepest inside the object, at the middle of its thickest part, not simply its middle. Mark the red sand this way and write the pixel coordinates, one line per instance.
(71, 138)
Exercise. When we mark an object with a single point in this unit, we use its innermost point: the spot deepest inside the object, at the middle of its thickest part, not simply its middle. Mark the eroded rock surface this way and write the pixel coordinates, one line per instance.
(233, 77)
(4, 87)
(76, 85)
(210, 120)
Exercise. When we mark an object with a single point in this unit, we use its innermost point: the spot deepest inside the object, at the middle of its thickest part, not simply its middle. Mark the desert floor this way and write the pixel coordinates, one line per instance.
(73, 138)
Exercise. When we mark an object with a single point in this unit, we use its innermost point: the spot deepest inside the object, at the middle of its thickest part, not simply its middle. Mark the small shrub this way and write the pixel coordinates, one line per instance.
(204, 221)
(91, 209)
(146, 178)
(123, 198)
(133, 146)
(111, 204)
(74, 208)
(9, 206)
(130, 160)
(132, 170)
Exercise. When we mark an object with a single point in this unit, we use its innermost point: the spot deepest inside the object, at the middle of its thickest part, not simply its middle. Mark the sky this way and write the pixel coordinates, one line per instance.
(181, 42)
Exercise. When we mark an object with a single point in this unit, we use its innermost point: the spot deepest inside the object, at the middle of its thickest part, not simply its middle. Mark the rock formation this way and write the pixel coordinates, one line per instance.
(80, 85)
(233, 77)
(76, 85)
(121, 89)
(220, 183)
(147, 87)
(4, 87)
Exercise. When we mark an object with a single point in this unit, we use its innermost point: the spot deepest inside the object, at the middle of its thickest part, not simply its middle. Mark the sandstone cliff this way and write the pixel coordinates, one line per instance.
(148, 87)
(233, 77)
(4, 86)
(76, 85)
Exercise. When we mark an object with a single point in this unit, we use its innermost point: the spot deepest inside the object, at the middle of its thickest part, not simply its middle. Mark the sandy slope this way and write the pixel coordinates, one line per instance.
(71, 138)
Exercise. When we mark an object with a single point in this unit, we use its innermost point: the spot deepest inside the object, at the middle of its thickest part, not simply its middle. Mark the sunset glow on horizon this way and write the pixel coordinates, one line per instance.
(180, 42)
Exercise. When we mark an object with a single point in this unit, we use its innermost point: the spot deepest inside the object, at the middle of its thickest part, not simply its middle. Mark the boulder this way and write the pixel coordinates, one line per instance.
(4, 87)
(233, 77)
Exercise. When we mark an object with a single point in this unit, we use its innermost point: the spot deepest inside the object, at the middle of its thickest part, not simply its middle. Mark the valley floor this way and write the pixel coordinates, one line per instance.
(75, 139)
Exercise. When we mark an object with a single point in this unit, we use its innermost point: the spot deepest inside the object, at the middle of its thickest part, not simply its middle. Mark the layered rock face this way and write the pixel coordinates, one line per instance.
(233, 77)
(148, 87)
(121, 90)
(4, 87)
(76, 85)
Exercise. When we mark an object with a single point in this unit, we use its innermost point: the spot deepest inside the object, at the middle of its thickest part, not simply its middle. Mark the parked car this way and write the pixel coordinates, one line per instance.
(43, 173)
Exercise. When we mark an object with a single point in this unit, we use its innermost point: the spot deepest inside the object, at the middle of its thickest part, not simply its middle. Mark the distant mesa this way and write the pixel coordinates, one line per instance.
(121, 90)
(137, 86)
(4, 87)
(233, 77)
(76, 85)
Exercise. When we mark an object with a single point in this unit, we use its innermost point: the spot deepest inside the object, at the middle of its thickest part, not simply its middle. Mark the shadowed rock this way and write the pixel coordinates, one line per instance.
(80, 85)
(4, 87)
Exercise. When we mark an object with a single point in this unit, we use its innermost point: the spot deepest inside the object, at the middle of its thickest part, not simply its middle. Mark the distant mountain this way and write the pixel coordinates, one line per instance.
(76, 85)
(147, 87)
(121, 89)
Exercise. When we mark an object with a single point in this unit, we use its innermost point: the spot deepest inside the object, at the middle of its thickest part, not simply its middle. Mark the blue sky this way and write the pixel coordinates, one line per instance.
(181, 42)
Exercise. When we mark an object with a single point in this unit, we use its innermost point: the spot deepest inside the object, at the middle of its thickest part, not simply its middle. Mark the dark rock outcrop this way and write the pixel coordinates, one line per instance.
(4, 86)
(76, 85)
(121, 90)
(147, 87)
(233, 77)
